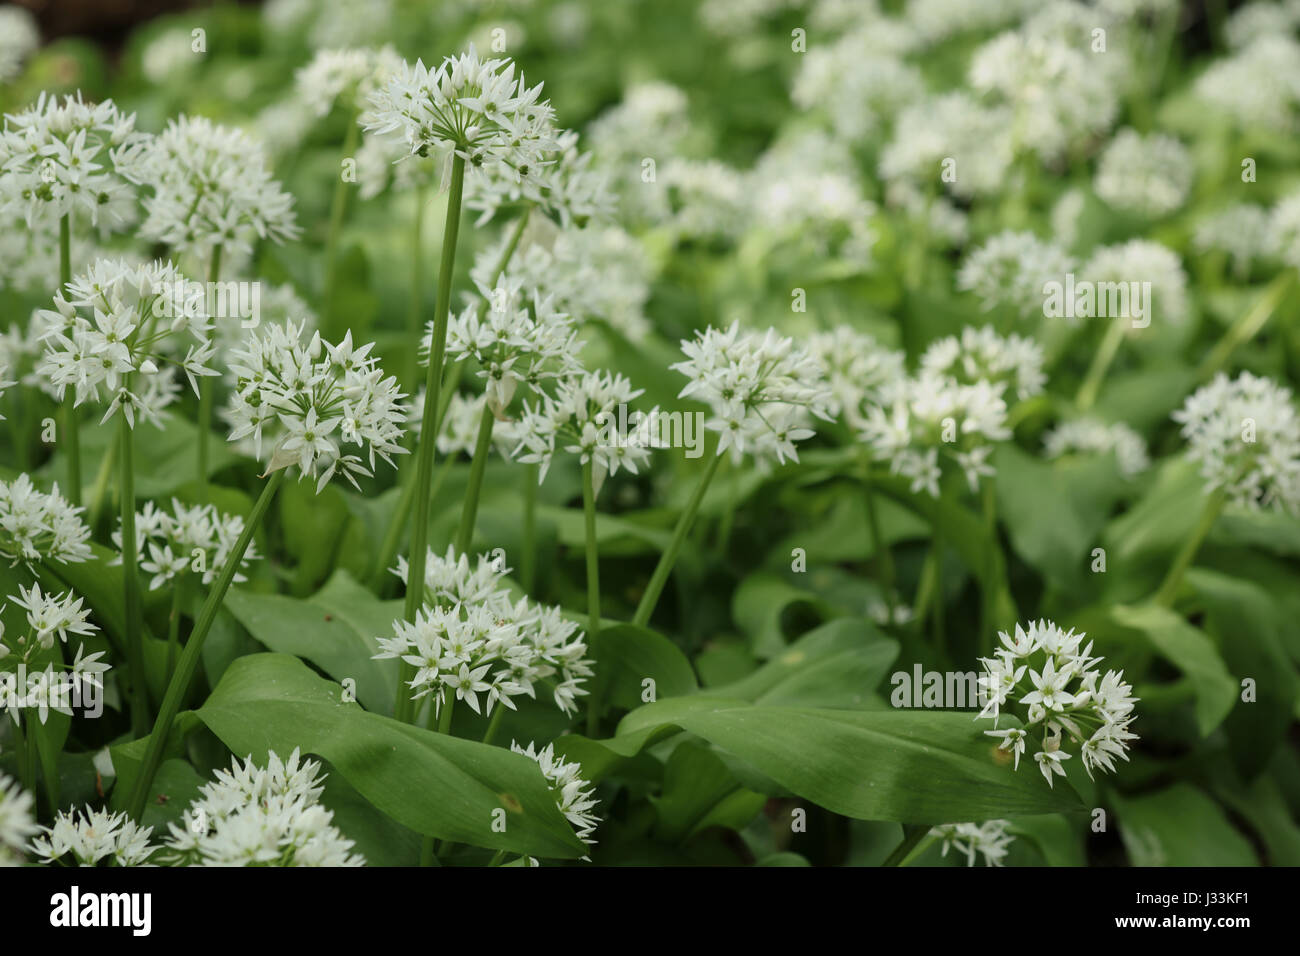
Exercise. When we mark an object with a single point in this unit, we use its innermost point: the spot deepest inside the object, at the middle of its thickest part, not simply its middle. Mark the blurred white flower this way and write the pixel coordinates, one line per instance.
(35, 526)
(988, 840)
(1149, 175)
(981, 354)
(17, 821)
(1010, 271)
(19, 37)
(1093, 436)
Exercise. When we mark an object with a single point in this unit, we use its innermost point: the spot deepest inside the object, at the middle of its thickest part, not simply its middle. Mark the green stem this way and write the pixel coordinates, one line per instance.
(595, 705)
(912, 835)
(71, 438)
(477, 468)
(49, 763)
(338, 208)
(1209, 514)
(415, 304)
(987, 639)
(880, 551)
(100, 491)
(189, 662)
(26, 772)
(1247, 325)
(528, 568)
(205, 394)
(174, 625)
(665, 566)
(428, 432)
(132, 613)
(494, 723)
(1101, 361)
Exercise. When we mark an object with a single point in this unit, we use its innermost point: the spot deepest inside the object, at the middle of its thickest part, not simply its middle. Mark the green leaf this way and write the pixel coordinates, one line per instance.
(629, 655)
(1248, 625)
(432, 783)
(836, 665)
(917, 767)
(700, 792)
(335, 629)
(1188, 649)
(1180, 826)
(759, 604)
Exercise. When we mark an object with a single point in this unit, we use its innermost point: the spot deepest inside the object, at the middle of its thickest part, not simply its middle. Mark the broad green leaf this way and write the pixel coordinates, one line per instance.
(432, 783)
(699, 792)
(336, 629)
(1180, 826)
(759, 604)
(913, 767)
(1188, 649)
(629, 655)
(839, 664)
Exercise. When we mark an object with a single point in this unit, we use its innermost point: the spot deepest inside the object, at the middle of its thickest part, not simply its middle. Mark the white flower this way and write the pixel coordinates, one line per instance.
(255, 816)
(197, 538)
(988, 840)
(35, 526)
(1258, 86)
(859, 370)
(585, 413)
(1240, 231)
(1245, 435)
(470, 638)
(930, 414)
(19, 36)
(307, 402)
(477, 109)
(514, 337)
(17, 822)
(564, 185)
(1071, 699)
(1014, 362)
(92, 836)
(1010, 271)
(1090, 435)
(1143, 260)
(347, 76)
(1150, 175)
(573, 795)
(1284, 231)
(120, 333)
(210, 187)
(763, 390)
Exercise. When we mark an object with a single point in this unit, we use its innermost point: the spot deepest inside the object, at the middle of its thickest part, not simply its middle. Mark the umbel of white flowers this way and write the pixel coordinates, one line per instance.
(210, 188)
(67, 158)
(1046, 676)
(763, 390)
(35, 526)
(119, 333)
(1244, 434)
(304, 403)
(476, 109)
(470, 637)
(196, 539)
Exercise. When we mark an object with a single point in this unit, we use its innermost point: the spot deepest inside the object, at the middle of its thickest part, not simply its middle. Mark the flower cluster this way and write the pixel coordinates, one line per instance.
(858, 368)
(762, 389)
(1047, 676)
(1097, 437)
(17, 823)
(928, 414)
(476, 109)
(564, 185)
(87, 837)
(68, 158)
(119, 332)
(260, 816)
(1245, 436)
(35, 526)
(573, 794)
(584, 413)
(989, 840)
(518, 338)
(1146, 261)
(347, 76)
(195, 539)
(1150, 175)
(49, 616)
(210, 188)
(308, 401)
(1010, 270)
(472, 638)
(1013, 362)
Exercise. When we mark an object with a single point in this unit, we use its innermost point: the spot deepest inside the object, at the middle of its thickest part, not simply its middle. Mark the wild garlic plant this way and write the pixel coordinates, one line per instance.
(1046, 677)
